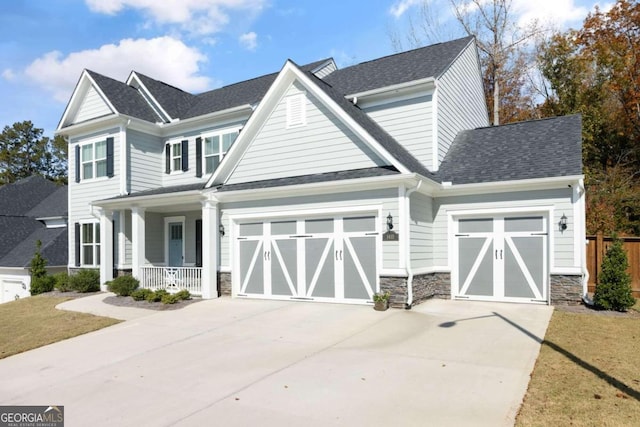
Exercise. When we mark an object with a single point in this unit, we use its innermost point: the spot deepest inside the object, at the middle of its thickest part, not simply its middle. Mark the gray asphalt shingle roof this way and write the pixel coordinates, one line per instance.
(525, 150)
(174, 101)
(22, 202)
(124, 98)
(429, 61)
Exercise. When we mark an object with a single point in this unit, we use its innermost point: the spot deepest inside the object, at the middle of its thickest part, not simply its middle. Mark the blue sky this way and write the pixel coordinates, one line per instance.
(200, 44)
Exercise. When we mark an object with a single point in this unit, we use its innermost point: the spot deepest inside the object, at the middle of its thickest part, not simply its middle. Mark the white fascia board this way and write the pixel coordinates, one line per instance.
(92, 125)
(154, 200)
(395, 89)
(82, 86)
(195, 123)
(348, 185)
(286, 77)
(507, 186)
(156, 105)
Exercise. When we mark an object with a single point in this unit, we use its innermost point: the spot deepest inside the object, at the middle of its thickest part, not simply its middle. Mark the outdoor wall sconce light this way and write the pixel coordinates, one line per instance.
(389, 222)
(221, 229)
(563, 222)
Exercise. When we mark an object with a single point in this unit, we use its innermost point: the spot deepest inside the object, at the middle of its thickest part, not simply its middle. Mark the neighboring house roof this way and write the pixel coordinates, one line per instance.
(525, 150)
(20, 204)
(124, 98)
(429, 61)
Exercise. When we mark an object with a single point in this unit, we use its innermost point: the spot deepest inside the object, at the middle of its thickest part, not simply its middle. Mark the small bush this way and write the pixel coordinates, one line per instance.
(170, 298)
(157, 295)
(85, 281)
(42, 284)
(183, 294)
(123, 286)
(613, 291)
(141, 294)
(62, 281)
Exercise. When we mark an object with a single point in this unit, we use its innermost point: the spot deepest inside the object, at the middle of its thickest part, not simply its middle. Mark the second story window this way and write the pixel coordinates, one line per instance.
(177, 156)
(94, 160)
(211, 148)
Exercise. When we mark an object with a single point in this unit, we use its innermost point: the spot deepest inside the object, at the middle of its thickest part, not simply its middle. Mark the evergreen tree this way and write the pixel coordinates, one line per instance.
(40, 281)
(613, 291)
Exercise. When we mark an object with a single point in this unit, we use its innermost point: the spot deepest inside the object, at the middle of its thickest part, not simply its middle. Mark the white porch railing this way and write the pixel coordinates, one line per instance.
(172, 279)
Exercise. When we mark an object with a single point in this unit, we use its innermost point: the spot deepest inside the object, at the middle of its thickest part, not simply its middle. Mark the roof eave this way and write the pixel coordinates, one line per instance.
(400, 87)
(448, 189)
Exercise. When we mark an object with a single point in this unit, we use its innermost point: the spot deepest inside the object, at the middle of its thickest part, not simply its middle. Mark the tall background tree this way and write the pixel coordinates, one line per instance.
(24, 151)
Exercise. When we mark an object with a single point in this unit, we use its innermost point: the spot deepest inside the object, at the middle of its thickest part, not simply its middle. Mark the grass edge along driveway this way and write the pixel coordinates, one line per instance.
(586, 374)
(33, 322)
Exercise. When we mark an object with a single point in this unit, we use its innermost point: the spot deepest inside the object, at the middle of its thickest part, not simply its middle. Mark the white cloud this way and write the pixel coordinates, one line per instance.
(163, 58)
(249, 40)
(400, 7)
(8, 74)
(559, 13)
(194, 16)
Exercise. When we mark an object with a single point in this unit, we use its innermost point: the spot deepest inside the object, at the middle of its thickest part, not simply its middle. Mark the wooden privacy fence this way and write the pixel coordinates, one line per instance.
(597, 248)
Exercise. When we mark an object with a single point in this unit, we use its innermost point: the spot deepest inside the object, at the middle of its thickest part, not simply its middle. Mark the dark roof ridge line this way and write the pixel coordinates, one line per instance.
(524, 121)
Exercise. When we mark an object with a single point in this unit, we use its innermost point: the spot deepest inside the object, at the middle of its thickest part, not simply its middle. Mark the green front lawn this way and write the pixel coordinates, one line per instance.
(32, 322)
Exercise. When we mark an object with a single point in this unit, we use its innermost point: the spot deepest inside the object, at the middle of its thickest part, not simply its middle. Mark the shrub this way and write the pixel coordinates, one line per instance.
(62, 281)
(170, 298)
(42, 284)
(613, 291)
(85, 281)
(157, 295)
(141, 294)
(183, 294)
(38, 266)
(123, 286)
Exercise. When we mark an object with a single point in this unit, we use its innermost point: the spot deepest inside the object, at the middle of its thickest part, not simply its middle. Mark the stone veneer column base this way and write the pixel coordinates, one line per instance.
(224, 284)
(566, 289)
(425, 286)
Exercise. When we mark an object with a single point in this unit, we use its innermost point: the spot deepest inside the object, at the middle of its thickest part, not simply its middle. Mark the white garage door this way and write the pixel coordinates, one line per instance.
(502, 258)
(321, 259)
(11, 290)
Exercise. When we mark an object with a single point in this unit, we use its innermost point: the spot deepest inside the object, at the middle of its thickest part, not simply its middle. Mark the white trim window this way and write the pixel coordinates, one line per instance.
(94, 160)
(215, 147)
(176, 156)
(90, 244)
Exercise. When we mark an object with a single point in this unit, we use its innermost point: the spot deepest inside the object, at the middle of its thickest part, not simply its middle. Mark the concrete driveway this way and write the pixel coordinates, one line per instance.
(267, 363)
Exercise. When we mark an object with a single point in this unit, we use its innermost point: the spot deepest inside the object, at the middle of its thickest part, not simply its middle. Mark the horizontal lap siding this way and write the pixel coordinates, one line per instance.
(154, 237)
(461, 103)
(421, 229)
(386, 199)
(146, 161)
(410, 123)
(560, 199)
(92, 106)
(83, 193)
(324, 144)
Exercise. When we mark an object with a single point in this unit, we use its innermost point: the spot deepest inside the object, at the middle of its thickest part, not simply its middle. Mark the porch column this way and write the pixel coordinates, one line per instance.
(106, 247)
(210, 239)
(137, 240)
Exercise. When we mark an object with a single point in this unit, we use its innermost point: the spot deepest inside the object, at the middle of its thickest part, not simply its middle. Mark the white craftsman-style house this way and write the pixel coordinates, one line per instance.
(324, 184)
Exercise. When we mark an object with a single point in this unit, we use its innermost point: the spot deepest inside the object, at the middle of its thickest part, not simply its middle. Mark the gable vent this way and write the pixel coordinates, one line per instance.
(296, 110)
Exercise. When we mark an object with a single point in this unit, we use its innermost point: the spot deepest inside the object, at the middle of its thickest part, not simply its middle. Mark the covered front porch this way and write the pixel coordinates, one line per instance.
(167, 241)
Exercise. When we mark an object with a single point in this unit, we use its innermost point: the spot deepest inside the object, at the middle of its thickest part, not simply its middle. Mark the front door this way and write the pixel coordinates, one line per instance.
(175, 244)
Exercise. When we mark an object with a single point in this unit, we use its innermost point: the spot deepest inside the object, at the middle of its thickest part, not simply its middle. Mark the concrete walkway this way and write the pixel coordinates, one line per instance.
(269, 363)
(94, 305)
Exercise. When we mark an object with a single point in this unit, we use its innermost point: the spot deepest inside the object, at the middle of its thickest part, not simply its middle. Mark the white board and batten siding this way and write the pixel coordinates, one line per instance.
(460, 101)
(323, 144)
(408, 121)
(559, 200)
(82, 193)
(384, 201)
(91, 107)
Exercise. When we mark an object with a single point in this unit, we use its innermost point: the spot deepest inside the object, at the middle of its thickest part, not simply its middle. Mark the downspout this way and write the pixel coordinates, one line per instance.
(407, 252)
(583, 254)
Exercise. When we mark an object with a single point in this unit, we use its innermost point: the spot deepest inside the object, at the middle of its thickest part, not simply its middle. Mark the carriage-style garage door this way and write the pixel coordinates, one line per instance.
(502, 258)
(321, 259)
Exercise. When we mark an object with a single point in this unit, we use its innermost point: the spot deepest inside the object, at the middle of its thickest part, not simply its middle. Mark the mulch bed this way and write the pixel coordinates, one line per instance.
(583, 309)
(125, 301)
